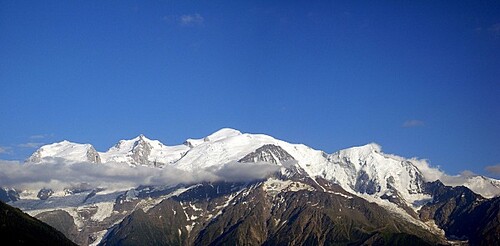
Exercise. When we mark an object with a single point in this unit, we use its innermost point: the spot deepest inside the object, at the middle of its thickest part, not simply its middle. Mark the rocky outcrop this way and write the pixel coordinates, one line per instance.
(45, 193)
(8, 195)
(141, 151)
(93, 156)
(268, 153)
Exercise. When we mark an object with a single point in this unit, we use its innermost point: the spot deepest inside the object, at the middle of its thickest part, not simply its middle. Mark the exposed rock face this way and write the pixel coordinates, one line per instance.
(416, 178)
(44, 194)
(8, 195)
(83, 225)
(36, 157)
(274, 212)
(287, 208)
(268, 153)
(462, 214)
(141, 151)
(366, 184)
(62, 221)
(93, 156)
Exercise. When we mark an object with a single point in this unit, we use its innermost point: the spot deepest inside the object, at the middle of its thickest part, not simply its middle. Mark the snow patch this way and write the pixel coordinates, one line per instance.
(104, 210)
(189, 228)
(99, 236)
(147, 204)
(275, 186)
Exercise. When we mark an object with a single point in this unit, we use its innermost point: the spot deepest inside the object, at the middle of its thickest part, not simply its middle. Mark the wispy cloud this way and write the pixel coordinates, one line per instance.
(41, 136)
(30, 145)
(185, 20)
(413, 123)
(4, 150)
(191, 20)
(495, 169)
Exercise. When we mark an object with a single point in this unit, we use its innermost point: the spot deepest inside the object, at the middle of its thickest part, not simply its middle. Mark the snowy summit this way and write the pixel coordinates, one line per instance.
(364, 169)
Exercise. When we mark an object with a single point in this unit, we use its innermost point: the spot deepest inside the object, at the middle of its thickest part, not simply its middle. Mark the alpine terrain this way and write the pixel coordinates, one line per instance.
(233, 188)
(18, 228)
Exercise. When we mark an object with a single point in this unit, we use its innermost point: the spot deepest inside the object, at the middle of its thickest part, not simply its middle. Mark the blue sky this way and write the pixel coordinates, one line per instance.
(421, 79)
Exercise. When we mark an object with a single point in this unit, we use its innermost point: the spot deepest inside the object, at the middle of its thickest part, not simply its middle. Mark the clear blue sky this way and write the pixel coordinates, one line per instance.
(420, 78)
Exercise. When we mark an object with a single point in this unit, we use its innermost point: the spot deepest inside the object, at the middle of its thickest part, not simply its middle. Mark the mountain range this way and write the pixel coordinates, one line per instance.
(239, 188)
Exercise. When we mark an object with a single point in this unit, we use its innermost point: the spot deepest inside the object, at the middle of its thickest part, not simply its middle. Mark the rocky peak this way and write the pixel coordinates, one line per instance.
(141, 150)
(93, 156)
(268, 153)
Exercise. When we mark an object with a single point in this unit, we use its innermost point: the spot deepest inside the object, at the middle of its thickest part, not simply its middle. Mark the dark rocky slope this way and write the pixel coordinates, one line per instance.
(18, 228)
(255, 214)
(463, 215)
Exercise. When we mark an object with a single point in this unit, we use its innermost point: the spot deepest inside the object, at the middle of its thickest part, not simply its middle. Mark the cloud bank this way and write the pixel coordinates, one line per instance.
(58, 175)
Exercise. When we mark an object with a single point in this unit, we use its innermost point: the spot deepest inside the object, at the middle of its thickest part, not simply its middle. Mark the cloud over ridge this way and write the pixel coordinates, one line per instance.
(58, 175)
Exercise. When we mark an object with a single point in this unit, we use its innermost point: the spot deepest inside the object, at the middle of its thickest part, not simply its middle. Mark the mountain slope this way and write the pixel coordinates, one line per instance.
(463, 214)
(17, 228)
(273, 212)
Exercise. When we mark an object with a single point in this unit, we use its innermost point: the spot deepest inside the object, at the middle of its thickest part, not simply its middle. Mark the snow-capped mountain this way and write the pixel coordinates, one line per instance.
(488, 187)
(67, 151)
(369, 193)
(143, 151)
(364, 169)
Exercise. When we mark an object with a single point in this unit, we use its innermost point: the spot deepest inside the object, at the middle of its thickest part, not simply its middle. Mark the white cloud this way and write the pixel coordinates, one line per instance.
(30, 145)
(191, 20)
(235, 171)
(58, 175)
(430, 173)
(413, 123)
(41, 136)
